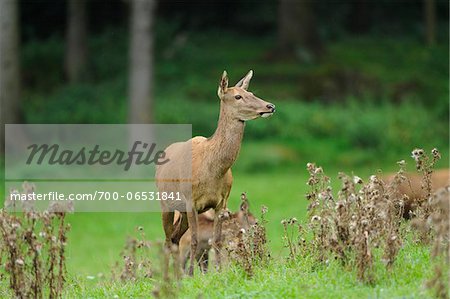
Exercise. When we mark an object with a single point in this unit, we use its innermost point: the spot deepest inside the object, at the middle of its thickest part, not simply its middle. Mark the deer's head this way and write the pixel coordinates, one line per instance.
(241, 104)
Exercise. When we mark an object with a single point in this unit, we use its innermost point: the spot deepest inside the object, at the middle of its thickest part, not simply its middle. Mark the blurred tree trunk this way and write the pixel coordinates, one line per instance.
(9, 66)
(297, 29)
(430, 21)
(359, 20)
(76, 40)
(141, 62)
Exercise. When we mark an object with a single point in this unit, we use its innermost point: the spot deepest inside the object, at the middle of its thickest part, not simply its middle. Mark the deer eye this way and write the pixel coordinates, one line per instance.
(238, 97)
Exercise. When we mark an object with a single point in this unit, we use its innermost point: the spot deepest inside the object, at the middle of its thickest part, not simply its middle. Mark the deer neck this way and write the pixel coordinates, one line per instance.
(225, 143)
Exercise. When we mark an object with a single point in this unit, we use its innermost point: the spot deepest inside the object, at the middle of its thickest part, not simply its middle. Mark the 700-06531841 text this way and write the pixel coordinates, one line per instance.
(97, 195)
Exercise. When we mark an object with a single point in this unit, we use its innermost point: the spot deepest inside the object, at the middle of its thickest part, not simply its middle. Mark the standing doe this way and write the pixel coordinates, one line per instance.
(206, 164)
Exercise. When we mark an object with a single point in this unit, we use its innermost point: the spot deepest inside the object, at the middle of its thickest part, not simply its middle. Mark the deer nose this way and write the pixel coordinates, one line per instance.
(271, 107)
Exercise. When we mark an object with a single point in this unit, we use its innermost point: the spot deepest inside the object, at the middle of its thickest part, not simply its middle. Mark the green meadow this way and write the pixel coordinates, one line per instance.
(362, 133)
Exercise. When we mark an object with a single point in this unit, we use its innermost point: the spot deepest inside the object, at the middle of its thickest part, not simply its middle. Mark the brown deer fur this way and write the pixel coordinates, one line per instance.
(412, 187)
(230, 229)
(206, 164)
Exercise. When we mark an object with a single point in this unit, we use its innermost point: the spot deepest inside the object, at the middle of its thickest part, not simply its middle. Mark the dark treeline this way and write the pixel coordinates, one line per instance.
(44, 18)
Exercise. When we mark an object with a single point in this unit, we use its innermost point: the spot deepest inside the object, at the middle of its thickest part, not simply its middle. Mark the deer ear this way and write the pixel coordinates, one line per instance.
(244, 82)
(223, 85)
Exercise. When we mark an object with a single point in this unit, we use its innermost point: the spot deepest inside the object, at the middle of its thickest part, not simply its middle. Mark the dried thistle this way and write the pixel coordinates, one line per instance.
(34, 249)
(135, 258)
(423, 209)
(249, 247)
(439, 224)
(365, 216)
(292, 236)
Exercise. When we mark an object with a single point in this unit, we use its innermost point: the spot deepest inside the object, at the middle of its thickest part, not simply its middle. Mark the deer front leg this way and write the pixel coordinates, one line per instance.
(192, 219)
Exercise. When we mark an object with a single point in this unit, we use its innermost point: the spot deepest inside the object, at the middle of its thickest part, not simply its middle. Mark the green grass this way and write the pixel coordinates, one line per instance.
(97, 238)
(282, 190)
(96, 241)
(304, 279)
(282, 278)
(288, 279)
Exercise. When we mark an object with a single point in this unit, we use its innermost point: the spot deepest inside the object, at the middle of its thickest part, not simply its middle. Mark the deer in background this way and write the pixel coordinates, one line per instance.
(412, 187)
(206, 164)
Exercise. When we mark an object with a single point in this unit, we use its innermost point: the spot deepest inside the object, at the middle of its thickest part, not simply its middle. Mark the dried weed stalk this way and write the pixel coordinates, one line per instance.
(33, 248)
(421, 208)
(439, 224)
(136, 264)
(169, 284)
(249, 247)
(135, 259)
(292, 237)
(363, 217)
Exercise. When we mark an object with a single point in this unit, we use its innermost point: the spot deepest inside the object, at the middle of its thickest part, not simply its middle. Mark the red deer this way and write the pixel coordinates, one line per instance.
(230, 229)
(207, 163)
(412, 187)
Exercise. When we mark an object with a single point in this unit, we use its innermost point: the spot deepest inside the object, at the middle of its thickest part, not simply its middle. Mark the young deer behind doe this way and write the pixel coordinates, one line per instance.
(231, 227)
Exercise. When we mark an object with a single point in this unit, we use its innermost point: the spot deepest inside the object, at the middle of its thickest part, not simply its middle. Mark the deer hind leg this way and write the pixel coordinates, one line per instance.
(180, 228)
(193, 225)
(167, 220)
(202, 260)
(216, 238)
(184, 256)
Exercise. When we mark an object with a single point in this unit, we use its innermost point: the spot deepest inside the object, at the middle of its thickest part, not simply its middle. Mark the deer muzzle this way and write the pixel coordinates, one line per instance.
(271, 110)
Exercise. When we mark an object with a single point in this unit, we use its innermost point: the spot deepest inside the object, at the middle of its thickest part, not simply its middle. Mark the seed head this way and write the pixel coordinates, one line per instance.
(315, 218)
(264, 210)
(401, 163)
(417, 153)
(357, 180)
(20, 262)
(436, 154)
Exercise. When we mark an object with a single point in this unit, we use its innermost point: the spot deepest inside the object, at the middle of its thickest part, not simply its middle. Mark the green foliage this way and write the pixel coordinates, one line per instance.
(309, 130)
(366, 97)
(80, 103)
(42, 65)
